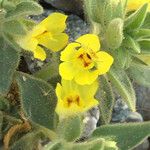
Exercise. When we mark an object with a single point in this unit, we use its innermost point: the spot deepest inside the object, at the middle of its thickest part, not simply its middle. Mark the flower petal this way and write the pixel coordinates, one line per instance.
(58, 91)
(92, 88)
(69, 52)
(38, 30)
(104, 62)
(85, 77)
(134, 5)
(39, 53)
(64, 112)
(53, 42)
(55, 23)
(67, 71)
(90, 41)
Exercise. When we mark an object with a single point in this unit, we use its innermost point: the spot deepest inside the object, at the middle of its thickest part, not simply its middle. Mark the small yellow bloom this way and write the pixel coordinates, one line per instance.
(82, 60)
(48, 33)
(135, 4)
(74, 99)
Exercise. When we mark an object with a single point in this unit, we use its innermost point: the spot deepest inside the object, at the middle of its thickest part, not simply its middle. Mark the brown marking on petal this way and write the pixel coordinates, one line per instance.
(86, 64)
(88, 56)
(78, 100)
(69, 101)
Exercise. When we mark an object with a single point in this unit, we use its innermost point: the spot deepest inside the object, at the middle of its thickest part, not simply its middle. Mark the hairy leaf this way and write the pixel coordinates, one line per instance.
(127, 135)
(38, 100)
(121, 81)
(106, 97)
(9, 59)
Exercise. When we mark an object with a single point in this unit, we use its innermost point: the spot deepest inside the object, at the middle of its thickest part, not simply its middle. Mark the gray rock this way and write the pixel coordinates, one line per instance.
(134, 117)
(143, 101)
(120, 112)
(74, 6)
(90, 122)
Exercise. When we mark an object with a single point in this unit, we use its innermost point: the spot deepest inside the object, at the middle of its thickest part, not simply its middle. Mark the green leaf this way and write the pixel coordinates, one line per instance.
(127, 135)
(50, 70)
(96, 144)
(29, 24)
(123, 85)
(38, 100)
(145, 45)
(4, 104)
(122, 58)
(119, 11)
(114, 33)
(9, 59)
(14, 27)
(136, 19)
(94, 10)
(2, 15)
(70, 128)
(1, 125)
(132, 45)
(142, 33)
(146, 23)
(140, 73)
(144, 59)
(23, 9)
(106, 97)
(56, 145)
(7, 5)
(11, 41)
(28, 141)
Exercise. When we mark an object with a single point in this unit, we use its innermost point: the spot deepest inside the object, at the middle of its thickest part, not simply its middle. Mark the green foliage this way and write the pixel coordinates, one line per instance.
(145, 45)
(136, 19)
(142, 33)
(4, 104)
(106, 98)
(1, 124)
(123, 85)
(24, 8)
(8, 5)
(54, 146)
(28, 141)
(91, 144)
(104, 11)
(114, 33)
(9, 59)
(70, 128)
(51, 70)
(96, 144)
(122, 58)
(126, 135)
(140, 73)
(132, 45)
(14, 27)
(38, 100)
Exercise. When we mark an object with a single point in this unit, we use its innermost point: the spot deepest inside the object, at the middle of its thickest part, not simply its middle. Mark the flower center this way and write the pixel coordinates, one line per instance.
(72, 100)
(86, 59)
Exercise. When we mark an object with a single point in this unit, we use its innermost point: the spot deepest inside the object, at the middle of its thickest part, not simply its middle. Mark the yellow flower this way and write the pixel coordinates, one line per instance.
(83, 61)
(74, 99)
(135, 4)
(48, 33)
